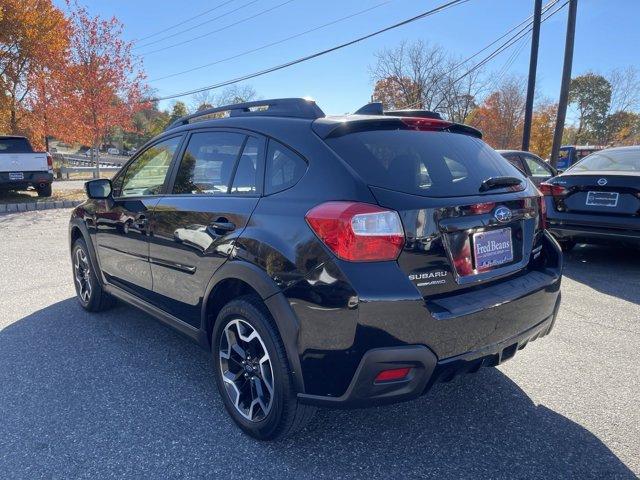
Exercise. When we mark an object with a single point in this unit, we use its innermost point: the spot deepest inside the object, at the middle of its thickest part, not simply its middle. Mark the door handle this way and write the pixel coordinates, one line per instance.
(221, 226)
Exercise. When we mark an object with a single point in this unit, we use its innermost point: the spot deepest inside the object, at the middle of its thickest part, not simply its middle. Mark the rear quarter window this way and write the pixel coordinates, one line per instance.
(436, 164)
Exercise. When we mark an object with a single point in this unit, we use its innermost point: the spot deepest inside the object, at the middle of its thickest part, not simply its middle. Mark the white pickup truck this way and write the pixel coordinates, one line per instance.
(21, 167)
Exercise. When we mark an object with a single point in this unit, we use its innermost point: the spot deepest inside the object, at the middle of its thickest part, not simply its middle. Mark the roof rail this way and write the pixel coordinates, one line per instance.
(277, 107)
(376, 108)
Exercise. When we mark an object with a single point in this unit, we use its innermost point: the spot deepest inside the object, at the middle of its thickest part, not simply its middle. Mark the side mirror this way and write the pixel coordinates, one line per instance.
(98, 189)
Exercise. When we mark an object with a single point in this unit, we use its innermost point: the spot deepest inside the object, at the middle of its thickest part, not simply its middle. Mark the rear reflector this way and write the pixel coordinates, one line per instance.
(358, 232)
(49, 162)
(478, 208)
(392, 375)
(542, 209)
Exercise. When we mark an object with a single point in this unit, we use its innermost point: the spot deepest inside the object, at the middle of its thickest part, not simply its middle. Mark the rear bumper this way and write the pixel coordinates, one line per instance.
(31, 179)
(591, 233)
(426, 369)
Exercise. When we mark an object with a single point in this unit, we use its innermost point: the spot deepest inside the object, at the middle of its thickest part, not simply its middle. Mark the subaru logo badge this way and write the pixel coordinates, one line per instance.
(602, 182)
(503, 214)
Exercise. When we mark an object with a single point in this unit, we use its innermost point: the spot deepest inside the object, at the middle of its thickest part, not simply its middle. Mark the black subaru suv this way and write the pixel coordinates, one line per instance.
(338, 261)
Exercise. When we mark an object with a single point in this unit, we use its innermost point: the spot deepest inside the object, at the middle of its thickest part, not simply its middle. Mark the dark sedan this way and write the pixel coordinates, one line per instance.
(597, 200)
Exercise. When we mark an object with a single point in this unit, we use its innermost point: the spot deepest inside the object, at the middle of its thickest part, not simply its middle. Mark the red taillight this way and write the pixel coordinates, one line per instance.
(49, 161)
(542, 208)
(552, 190)
(425, 124)
(392, 375)
(358, 232)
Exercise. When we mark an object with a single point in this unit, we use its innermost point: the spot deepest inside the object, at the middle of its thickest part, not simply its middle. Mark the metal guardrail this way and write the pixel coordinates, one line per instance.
(65, 171)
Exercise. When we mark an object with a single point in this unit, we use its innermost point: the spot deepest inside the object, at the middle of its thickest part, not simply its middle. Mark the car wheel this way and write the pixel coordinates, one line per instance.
(45, 191)
(252, 372)
(88, 289)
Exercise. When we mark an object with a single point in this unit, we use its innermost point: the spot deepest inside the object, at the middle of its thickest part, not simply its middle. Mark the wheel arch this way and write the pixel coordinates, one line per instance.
(237, 278)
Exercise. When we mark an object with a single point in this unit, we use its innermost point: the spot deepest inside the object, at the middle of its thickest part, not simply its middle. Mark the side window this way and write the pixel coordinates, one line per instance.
(284, 168)
(537, 169)
(207, 164)
(147, 173)
(245, 181)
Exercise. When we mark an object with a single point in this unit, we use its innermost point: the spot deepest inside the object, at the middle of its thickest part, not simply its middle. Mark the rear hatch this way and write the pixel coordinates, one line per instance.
(604, 187)
(469, 216)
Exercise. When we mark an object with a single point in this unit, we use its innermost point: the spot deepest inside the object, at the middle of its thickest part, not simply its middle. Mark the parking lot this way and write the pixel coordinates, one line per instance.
(117, 394)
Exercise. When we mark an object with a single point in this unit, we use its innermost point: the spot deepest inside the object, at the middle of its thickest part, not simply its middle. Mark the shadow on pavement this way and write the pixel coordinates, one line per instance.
(613, 270)
(118, 395)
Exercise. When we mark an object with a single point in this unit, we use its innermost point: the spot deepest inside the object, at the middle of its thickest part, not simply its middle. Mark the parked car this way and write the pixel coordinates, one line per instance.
(597, 200)
(530, 164)
(340, 261)
(22, 168)
(131, 151)
(571, 154)
(113, 151)
(91, 152)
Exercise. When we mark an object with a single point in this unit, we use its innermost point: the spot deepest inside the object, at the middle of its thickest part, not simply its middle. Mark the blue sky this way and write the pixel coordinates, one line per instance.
(606, 38)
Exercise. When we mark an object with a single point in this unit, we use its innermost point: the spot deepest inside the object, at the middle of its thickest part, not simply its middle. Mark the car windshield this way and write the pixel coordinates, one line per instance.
(433, 164)
(623, 160)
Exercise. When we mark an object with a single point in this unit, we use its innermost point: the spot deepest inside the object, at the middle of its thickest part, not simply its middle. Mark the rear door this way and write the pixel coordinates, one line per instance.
(215, 188)
(457, 235)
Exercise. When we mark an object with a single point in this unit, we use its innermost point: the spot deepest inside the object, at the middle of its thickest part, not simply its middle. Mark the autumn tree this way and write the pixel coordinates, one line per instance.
(501, 114)
(178, 110)
(106, 81)
(33, 43)
(542, 128)
(230, 95)
(419, 75)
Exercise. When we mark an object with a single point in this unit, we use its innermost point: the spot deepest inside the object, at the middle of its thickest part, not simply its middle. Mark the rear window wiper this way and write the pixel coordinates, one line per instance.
(499, 182)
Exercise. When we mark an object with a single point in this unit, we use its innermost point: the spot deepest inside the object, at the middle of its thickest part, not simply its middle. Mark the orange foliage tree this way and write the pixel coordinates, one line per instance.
(33, 42)
(105, 82)
(501, 115)
(543, 124)
(397, 92)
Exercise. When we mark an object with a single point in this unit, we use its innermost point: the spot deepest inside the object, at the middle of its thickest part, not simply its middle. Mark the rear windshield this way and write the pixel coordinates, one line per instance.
(614, 160)
(433, 164)
(15, 145)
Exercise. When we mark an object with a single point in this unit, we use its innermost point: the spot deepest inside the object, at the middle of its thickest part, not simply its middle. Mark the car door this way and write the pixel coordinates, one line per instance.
(214, 189)
(539, 171)
(122, 225)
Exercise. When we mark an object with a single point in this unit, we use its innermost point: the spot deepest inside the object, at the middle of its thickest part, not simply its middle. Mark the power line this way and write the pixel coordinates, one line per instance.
(193, 39)
(314, 55)
(278, 42)
(184, 21)
(504, 46)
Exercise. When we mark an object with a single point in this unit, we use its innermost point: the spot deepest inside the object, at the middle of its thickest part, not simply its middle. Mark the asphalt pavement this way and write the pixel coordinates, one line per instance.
(118, 395)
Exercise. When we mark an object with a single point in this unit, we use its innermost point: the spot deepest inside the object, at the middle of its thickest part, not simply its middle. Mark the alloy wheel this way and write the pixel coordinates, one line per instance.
(82, 275)
(246, 370)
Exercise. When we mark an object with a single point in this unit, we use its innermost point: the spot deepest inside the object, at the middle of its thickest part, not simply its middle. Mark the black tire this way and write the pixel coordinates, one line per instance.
(567, 245)
(286, 414)
(92, 298)
(45, 191)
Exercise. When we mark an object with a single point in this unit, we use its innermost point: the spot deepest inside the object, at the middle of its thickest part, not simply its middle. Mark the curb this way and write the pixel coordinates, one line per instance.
(28, 207)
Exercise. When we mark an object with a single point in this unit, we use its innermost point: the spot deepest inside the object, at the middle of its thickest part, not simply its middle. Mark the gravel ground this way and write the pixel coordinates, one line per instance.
(117, 395)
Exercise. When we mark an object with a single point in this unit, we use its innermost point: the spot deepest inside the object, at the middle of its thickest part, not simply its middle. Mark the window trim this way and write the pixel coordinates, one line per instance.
(123, 170)
(260, 167)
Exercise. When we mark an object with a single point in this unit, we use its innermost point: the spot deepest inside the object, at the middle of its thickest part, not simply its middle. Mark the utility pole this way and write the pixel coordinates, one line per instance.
(533, 66)
(566, 80)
